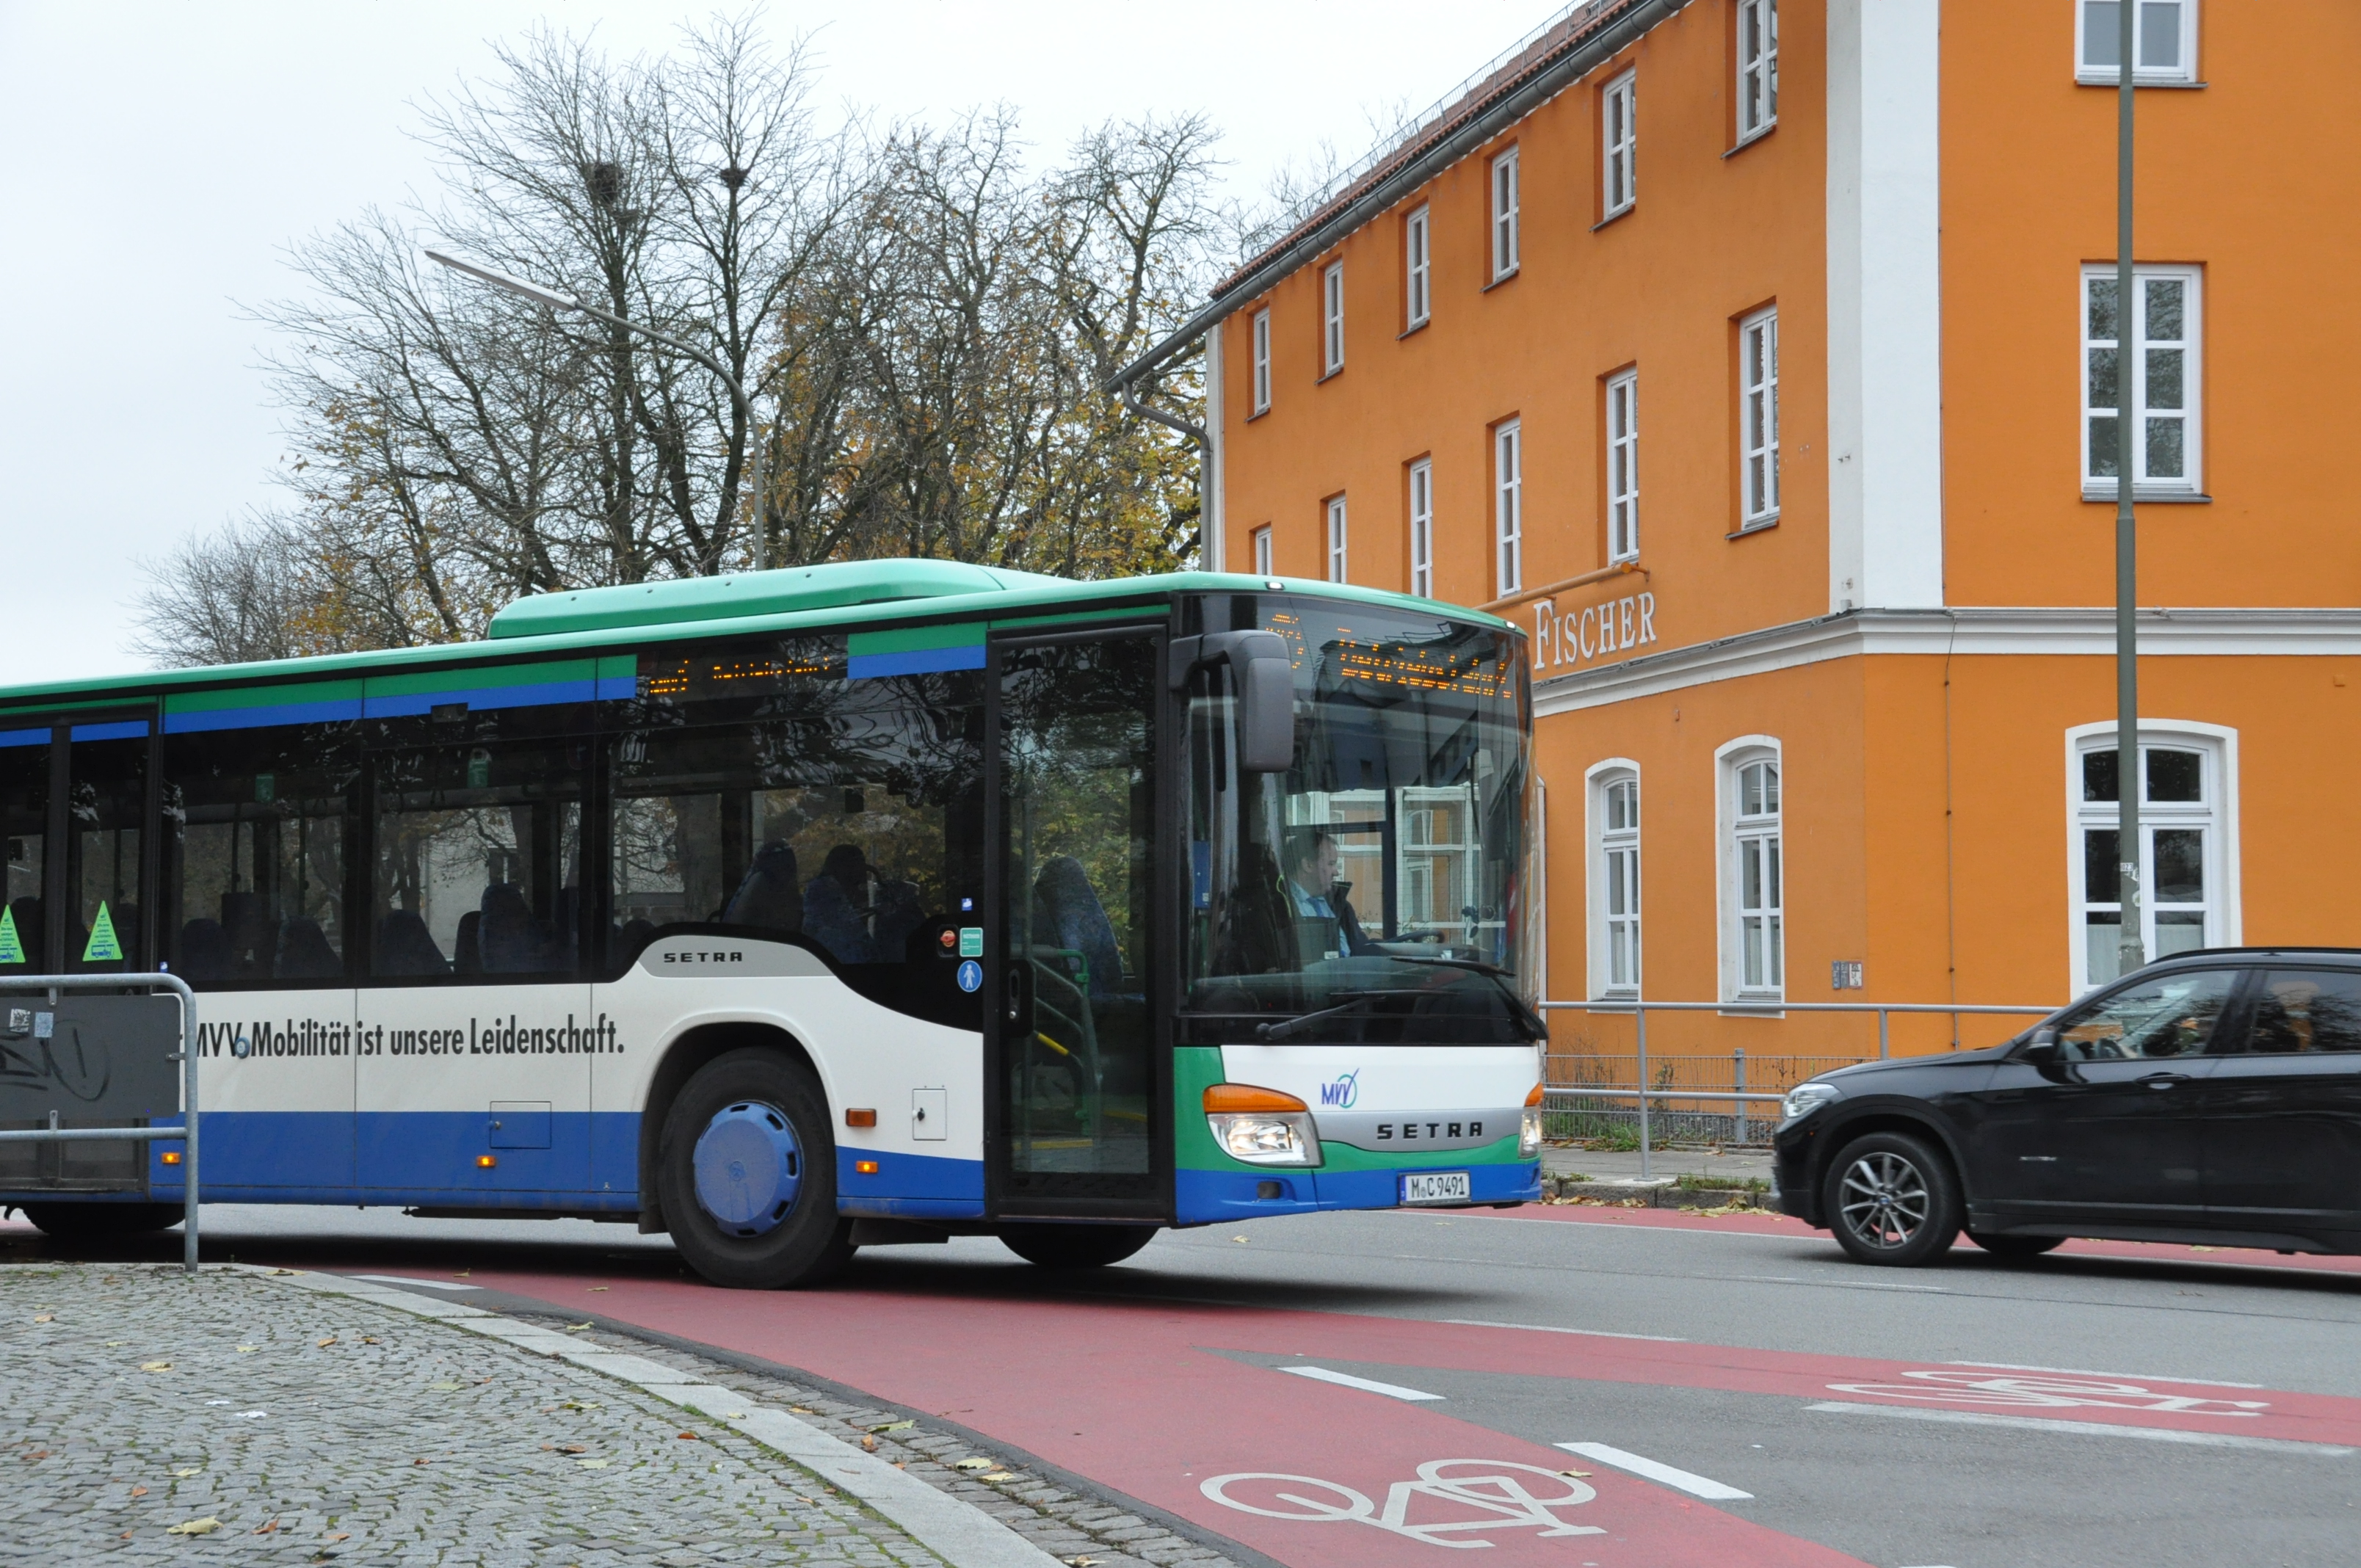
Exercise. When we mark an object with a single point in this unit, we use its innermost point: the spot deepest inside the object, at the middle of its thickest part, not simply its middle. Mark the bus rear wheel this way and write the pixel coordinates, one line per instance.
(746, 1168)
(101, 1222)
(1075, 1246)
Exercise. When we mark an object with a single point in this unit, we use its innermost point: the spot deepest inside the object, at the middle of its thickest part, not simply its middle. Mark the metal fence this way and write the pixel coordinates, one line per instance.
(40, 1066)
(1703, 1097)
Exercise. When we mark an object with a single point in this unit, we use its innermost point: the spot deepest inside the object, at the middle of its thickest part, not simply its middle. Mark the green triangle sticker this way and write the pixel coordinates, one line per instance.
(12, 950)
(103, 945)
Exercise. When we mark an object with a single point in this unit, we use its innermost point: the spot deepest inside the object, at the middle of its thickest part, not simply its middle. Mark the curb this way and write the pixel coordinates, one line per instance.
(953, 1530)
(1661, 1193)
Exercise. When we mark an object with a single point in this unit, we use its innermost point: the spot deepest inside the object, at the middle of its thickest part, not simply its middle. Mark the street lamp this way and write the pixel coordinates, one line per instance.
(558, 301)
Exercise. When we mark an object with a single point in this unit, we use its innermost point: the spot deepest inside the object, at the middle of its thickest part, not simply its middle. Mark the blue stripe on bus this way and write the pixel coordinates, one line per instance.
(130, 729)
(618, 688)
(24, 736)
(910, 1186)
(405, 705)
(917, 662)
(339, 711)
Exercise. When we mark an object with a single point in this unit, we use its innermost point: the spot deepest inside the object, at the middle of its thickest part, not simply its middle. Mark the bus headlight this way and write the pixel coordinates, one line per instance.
(1261, 1126)
(1529, 1130)
(1805, 1099)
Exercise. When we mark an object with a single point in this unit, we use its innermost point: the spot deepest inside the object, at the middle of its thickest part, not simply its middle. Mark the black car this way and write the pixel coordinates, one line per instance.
(2213, 1097)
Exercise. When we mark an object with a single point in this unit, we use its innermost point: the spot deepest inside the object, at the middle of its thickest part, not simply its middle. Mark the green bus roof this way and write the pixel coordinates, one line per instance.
(870, 596)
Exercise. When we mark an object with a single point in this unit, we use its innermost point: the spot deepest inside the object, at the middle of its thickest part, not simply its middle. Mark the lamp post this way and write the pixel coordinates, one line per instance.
(2131, 949)
(558, 301)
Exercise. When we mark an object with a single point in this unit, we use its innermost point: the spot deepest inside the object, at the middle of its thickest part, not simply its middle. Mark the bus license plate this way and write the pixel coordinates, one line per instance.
(1435, 1186)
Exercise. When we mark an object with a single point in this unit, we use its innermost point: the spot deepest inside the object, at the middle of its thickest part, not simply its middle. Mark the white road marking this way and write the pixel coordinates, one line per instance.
(1680, 1480)
(2087, 1428)
(405, 1279)
(2122, 1376)
(1550, 1329)
(1346, 1380)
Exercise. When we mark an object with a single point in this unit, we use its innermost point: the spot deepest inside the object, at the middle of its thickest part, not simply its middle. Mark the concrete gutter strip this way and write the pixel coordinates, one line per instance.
(955, 1532)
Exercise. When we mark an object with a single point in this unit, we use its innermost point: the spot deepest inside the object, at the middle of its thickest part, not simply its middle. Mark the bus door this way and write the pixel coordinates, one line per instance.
(1075, 1084)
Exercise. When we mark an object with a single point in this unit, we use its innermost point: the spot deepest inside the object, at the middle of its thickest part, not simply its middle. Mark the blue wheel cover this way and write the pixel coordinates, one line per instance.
(749, 1167)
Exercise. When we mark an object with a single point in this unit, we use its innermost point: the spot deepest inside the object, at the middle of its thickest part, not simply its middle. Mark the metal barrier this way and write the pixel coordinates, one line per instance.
(1739, 1095)
(186, 1056)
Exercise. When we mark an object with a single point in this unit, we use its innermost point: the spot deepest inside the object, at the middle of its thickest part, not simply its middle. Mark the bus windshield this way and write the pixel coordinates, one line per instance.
(1377, 890)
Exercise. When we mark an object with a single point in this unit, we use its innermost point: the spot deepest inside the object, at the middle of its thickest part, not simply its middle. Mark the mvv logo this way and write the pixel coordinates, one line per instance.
(1342, 1092)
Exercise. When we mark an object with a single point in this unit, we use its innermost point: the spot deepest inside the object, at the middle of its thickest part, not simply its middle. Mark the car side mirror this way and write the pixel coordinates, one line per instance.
(2043, 1049)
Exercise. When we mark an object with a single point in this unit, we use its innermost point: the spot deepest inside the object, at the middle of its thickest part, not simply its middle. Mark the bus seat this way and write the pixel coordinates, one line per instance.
(204, 951)
(832, 920)
(1067, 914)
(305, 952)
(512, 941)
(769, 896)
(635, 935)
(1258, 927)
(466, 946)
(253, 933)
(404, 946)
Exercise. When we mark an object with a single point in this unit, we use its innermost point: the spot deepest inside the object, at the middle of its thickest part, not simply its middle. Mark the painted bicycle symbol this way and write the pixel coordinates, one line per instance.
(1455, 1497)
(2047, 1393)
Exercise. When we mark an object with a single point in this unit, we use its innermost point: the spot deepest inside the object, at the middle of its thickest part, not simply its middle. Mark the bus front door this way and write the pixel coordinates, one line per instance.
(1074, 1084)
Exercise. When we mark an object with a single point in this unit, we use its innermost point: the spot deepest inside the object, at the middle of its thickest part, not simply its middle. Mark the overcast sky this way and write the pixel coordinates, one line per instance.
(157, 158)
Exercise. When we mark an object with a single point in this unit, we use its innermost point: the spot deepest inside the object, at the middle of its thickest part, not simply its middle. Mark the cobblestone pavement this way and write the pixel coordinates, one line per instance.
(311, 1428)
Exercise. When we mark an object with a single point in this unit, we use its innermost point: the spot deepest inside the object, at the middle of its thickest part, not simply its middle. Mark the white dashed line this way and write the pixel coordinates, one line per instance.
(1664, 1475)
(2089, 1429)
(1346, 1380)
(2118, 1376)
(1553, 1328)
(405, 1279)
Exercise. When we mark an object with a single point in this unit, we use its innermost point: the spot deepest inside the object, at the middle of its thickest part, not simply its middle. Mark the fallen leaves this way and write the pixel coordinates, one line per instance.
(45, 1316)
(248, 1349)
(138, 1491)
(972, 1464)
(44, 1453)
(894, 1426)
(268, 1527)
(868, 1444)
(575, 1328)
(194, 1527)
(689, 1436)
(422, 1462)
(155, 1366)
(592, 1464)
(1577, 1474)
(325, 1342)
(573, 1448)
(998, 1475)
(602, 1288)
(192, 1470)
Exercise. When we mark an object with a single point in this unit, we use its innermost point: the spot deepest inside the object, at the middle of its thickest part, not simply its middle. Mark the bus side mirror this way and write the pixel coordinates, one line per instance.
(1266, 715)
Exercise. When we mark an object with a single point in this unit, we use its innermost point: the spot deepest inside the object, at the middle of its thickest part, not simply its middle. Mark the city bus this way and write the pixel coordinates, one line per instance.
(800, 911)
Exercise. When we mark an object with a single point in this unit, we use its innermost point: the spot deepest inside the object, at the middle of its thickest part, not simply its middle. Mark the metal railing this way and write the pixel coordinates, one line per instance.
(186, 1056)
(1738, 1096)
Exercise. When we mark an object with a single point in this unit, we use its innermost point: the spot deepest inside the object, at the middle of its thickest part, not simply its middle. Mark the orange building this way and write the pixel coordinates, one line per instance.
(1757, 356)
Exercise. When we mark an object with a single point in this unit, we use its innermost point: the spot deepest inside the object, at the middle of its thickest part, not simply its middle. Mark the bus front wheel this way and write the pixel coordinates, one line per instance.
(1075, 1246)
(746, 1167)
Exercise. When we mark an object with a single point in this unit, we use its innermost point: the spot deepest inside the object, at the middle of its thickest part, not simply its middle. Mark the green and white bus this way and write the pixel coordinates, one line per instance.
(810, 909)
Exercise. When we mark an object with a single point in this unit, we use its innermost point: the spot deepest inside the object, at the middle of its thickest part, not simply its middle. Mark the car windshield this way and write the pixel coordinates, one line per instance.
(1377, 890)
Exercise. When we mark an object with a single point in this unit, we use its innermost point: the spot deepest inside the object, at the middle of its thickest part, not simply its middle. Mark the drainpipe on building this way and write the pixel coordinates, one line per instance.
(2131, 952)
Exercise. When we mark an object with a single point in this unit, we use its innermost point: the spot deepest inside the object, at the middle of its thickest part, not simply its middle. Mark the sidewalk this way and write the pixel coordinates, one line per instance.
(257, 1416)
(1736, 1165)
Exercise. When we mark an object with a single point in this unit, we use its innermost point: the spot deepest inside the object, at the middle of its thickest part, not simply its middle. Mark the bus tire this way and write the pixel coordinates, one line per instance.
(101, 1221)
(762, 1124)
(1075, 1246)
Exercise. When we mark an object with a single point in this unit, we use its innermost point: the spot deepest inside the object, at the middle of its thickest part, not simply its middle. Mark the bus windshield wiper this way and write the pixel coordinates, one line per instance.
(1296, 1025)
(1492, 972)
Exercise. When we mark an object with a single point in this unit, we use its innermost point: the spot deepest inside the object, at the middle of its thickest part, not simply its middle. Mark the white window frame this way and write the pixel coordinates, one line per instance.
(1616, 867)
(2189, 346)
(1338, 561)
(1262, 359)
(1332, 318)
(1623, 466)
(1506, 200)
(1261, 538)
(1618, 144)
(1418, 269)
(1509, 505)
(2223, 923)
(1422, 528)
(1758, 68)
(1758, 418)
(1740, 834)
(2181, 75)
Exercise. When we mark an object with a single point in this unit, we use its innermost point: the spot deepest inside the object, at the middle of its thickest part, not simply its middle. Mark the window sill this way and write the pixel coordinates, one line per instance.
(1759, 1006)
(1625, 211)
(2149, 497)
(1746, 141)
(1764, 526)
(1330, 376)
(1258, 414)
(2139, 82)
(1418, 326)
(1508, 277)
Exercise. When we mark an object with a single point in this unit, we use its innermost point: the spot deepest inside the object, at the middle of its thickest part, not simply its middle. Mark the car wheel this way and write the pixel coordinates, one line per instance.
(746, 1170)
(1892, 1199)
(101, 1221)
(1075, 1246)
(2016, 1246)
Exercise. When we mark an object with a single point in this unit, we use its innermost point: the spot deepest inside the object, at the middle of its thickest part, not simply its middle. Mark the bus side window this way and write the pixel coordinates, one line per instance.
(479, 860)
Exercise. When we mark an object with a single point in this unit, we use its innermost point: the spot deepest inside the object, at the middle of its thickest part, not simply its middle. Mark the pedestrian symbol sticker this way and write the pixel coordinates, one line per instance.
(12, 950)
(103, 945)
(971, 976)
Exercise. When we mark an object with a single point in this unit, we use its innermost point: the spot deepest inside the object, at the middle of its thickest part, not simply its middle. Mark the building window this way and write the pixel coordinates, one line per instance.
(1619, 143)
(1758, 66)
(1336, 561)
(1754, 959)
(1623, 466)
(1261, 361)
(1422, 529)
(1615, 879)
(1504, 214)
(2186, 779)
(1757, 389)
(1416, 263)
(1509, 505)
(1332, 319)
(1262, 550)
(2165, 49)
(2164, 381)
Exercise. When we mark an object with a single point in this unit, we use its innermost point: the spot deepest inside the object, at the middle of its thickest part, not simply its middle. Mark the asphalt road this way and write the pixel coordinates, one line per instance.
(2108, 1404)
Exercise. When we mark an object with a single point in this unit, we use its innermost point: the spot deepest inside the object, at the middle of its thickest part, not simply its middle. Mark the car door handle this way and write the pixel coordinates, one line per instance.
(2163, 1080)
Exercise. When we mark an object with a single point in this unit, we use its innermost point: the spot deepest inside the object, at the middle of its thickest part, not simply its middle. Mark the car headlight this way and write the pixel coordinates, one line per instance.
(1529, 1130)
(1261, 1126)
(1805, 1099)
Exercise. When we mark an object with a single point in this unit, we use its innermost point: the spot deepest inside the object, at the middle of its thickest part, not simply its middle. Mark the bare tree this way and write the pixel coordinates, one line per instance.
(233, 596)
